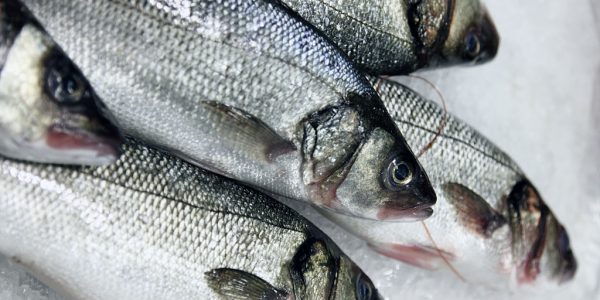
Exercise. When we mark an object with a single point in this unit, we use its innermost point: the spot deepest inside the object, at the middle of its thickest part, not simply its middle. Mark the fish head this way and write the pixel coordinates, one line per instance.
(354, 283)
(319, 270)
(453, 32)
(357, 164)
(386, 182)
(541, 246)
(49, 111)
(472, 36)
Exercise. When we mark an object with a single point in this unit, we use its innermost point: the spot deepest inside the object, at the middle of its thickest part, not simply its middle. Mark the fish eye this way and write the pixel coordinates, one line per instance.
(65, 87)
(364, 290)
(398, 174)
(472, 45)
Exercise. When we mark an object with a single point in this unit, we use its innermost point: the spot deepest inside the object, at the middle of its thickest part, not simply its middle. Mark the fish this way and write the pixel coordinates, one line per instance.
(48, 111)
(151, 226)
(398, 37)
(491, 226)
(248, 91)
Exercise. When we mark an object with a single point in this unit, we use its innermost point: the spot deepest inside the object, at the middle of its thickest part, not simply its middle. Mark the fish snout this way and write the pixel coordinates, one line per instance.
(568, 263)
(85, 134)
(489, 39)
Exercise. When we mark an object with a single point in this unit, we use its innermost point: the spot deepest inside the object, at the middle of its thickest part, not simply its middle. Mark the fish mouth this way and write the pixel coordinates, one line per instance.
(402, 214)
(89, 139)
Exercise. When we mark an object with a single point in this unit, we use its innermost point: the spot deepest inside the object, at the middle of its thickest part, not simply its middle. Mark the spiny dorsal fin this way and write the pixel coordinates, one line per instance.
(236, 284)
(474, 212)
(248, 131)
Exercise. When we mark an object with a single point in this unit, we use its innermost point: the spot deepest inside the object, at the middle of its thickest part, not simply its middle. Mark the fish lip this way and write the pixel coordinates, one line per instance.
(102, 146)
(393, 213)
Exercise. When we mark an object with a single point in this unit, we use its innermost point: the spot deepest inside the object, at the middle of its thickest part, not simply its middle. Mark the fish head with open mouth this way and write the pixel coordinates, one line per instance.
(49, 112)
(541, 246)
(454, 32)
(368, 170)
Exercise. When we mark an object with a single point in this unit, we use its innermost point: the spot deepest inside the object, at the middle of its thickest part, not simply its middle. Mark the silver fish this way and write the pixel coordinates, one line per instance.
(151, 226)
(396, 37)
(491, 224)
(48, 111)
(246, 90)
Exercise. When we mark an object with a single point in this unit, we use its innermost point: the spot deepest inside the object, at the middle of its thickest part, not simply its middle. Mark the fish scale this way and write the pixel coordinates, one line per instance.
(147, 227)
(380, 38)
(203, 82)
(229, 85)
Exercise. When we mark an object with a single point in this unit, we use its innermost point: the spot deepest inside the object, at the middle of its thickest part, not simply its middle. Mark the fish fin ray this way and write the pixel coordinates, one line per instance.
(418, 256)
(250, 131)
(474, 212)
(237, 284)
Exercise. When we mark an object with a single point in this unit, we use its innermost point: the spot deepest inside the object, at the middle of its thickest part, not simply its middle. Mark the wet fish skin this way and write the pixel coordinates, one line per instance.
(48, 111)
(490, 223)
(246, 90)
(398, 37)
(151, 226)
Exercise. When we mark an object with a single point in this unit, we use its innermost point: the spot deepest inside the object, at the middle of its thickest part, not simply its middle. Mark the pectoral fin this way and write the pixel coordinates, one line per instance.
(236, 284)
(474, 212)
(248, 132)
(418, 256)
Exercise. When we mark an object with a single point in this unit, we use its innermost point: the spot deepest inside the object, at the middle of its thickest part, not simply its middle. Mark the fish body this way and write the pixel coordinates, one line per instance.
(491, 224)
(398, 37)
(246, 90)
(48, 111)
(151, 226)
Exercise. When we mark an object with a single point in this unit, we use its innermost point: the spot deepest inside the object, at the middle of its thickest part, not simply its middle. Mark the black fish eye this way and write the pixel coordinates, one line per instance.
(401, 173)
(472, 45)
(398, 174)
(363, 289)
(65, 87)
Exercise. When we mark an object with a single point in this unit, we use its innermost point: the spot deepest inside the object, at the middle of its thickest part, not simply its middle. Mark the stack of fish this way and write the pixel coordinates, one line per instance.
(142, 143)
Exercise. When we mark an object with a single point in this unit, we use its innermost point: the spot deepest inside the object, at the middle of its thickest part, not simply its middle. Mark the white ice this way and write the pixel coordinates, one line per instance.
(539, 100)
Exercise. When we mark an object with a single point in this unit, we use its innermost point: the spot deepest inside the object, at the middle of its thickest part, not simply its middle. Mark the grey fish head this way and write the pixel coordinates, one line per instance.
(464, 33)
(386, 182)
(541, 245)
(319, 270)
(356, 162)
(49, 112)
(355, 283)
